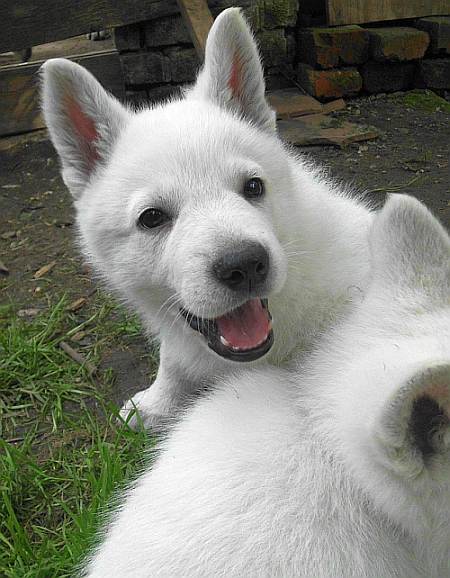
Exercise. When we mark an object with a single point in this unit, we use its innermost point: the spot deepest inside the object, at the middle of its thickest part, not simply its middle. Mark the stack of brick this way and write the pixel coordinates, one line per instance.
(158, 57)
(345, 60)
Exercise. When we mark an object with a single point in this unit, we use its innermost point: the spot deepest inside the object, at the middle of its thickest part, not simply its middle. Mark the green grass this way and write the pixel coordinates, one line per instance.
(426, 100)
(63, 452)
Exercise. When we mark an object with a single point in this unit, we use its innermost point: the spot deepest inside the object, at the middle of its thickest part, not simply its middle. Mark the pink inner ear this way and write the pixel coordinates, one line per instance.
(235, 80)
(85, 128)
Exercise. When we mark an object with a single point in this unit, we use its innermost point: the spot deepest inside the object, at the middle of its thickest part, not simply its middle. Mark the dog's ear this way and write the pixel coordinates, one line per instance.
(410, 253)
(412, 430)
(83, 120)
(232, 76)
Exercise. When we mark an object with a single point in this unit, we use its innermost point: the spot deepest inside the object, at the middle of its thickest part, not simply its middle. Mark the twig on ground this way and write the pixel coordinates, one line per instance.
(78, 357)
(394, 188)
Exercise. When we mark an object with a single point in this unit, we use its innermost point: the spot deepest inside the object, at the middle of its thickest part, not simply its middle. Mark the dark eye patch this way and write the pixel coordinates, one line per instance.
(253, 188)
(152, 218)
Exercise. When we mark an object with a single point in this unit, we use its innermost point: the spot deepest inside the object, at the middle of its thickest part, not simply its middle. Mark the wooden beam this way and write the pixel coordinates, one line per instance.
(19, 97)
(28, 23)
(198, 19)
(362, 11)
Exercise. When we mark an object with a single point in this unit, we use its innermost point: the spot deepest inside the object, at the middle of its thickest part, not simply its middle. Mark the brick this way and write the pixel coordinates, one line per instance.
(332, 47)
(145, 68)
(273, 46)
(127, 37)
(166, 32)
(328, 84)
(434, 73)
(184, 64)
(388, 76)
(397, 44)
(438, 28)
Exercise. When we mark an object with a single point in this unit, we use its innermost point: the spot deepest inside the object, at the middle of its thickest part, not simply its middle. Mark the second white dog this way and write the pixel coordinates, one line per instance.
(340, 472)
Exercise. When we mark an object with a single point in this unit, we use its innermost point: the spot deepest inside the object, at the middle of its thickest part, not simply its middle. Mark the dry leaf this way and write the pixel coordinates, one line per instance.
(44, 270)
(78, 336)
(77, 304)
(28, 313)
(3, 269)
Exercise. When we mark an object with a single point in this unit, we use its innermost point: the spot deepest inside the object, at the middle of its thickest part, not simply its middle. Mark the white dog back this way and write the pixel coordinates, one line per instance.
(342, 472)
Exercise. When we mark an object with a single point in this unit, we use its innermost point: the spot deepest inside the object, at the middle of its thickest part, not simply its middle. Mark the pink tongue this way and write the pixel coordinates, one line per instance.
(246, 327)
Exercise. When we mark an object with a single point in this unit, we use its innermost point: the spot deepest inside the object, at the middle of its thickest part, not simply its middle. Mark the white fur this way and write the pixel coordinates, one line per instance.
(191, 156)
(314, 473)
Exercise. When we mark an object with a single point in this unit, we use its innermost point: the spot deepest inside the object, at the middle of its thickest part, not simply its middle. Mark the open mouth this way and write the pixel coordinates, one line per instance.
(244, 334)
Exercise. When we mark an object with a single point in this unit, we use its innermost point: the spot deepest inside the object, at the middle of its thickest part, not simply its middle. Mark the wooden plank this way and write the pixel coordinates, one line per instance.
(290, 102)
(318, 129)
(198, 19)
(32, 22)
(362, 11)
(19, 94)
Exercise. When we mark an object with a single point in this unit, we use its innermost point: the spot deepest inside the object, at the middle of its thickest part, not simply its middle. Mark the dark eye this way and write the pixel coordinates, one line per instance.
(152, 218)
(254, 188)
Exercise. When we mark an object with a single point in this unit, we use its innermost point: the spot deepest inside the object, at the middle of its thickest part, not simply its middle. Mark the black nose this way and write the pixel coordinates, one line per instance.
(244, 268)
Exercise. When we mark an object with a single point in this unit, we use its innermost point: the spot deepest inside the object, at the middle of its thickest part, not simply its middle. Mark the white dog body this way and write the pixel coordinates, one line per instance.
(342, 471)
(191, 161)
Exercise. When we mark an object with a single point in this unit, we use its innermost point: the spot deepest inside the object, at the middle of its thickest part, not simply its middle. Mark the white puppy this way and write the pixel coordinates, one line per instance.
(197, 214)
(341, 472)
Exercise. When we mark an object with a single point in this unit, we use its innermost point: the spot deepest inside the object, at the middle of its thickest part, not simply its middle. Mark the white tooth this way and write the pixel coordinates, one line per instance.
(223, 341)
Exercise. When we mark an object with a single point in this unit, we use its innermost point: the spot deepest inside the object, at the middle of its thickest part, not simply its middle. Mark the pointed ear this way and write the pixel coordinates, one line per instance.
(411, 251)
(83, 120)
(412, 431)
(232, 76)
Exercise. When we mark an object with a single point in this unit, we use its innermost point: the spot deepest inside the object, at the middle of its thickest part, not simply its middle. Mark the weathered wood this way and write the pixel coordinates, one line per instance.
(19, 94)
(361, 11)
(198, 19)
(32, 22)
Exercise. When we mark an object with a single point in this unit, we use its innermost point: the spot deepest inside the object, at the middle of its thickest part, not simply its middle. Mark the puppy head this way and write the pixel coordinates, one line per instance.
(391, 384)
(179, 206)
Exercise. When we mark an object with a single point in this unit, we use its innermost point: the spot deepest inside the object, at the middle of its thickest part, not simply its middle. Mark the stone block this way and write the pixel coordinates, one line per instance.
(278, 13)
(273, 46)
(328, 84)
(434, 73)
(184, 64)
(438, 28)
(397, 44)
(145, 68)
(166, 31)
(127, 37)
(387, 76)
(333, 47)
(276, 79)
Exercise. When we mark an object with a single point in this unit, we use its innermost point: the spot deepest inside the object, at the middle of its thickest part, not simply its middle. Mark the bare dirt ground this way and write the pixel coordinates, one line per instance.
(37, 221)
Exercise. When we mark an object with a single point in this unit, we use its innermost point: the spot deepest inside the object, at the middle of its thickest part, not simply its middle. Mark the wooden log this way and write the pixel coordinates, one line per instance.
(361, 11)
(19, 92)
(198, 19)
(32, 22)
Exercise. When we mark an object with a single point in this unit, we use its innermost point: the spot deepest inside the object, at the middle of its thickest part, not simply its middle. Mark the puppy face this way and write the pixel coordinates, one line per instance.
(179, 207)
(186, 217)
